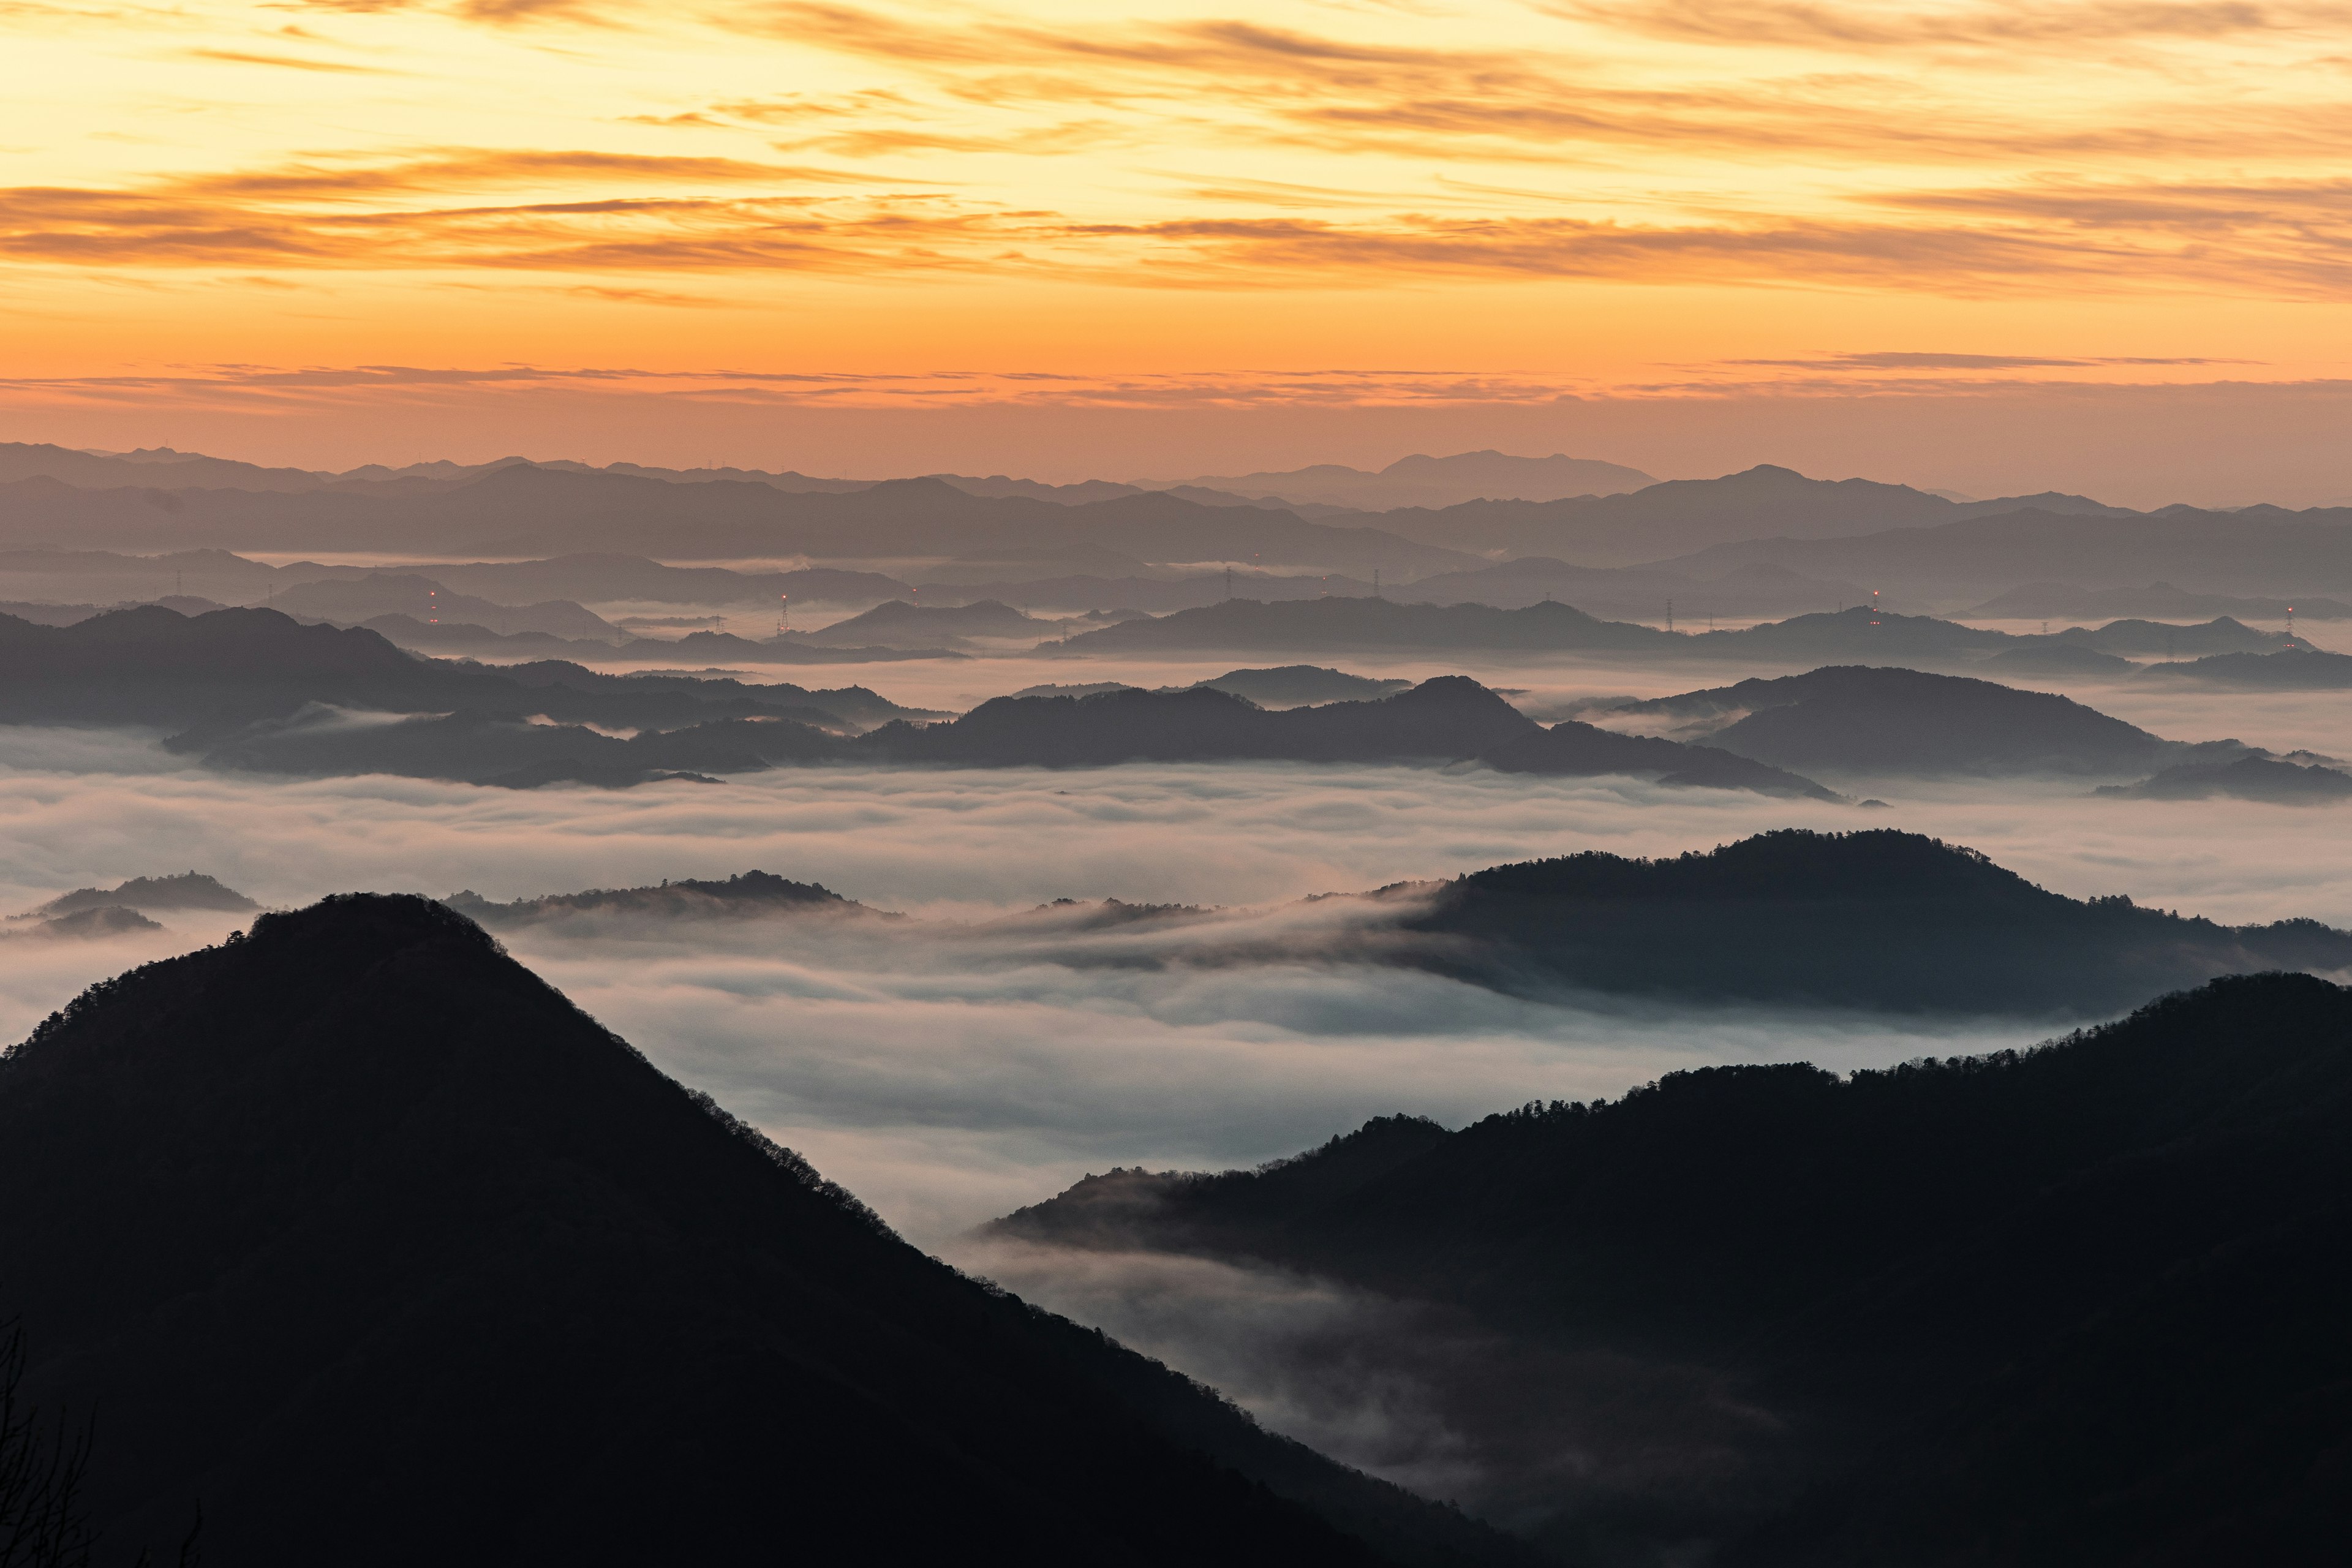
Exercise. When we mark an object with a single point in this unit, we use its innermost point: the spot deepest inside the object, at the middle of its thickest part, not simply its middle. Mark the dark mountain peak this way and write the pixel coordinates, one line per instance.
(1454, 691)
(357, 1207)
(1789, 863)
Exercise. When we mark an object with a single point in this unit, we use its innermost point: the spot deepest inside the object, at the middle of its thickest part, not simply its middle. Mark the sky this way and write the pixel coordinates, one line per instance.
(1973, 243)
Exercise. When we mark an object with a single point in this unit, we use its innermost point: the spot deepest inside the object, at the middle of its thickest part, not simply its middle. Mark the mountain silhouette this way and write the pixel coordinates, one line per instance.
(2247, 778)
(2158, 601)
(1425, 481)
(207, 675)
(355, 1232)
(1659, 520)
(524, 510)
(898, 624)
(1303, 685)
(745, 893)
(2259, 550)
(2303, 669)
(2080, 1304)
(1872, 721)
(1450, 717)
(188, 891)
(1880, 919)
(1332, 625)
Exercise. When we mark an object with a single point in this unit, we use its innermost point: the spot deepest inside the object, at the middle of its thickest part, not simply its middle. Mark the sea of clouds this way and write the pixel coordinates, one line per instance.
(978, 1057)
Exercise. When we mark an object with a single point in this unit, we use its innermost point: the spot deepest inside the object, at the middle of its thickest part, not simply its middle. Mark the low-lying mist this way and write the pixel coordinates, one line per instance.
(947, 1080)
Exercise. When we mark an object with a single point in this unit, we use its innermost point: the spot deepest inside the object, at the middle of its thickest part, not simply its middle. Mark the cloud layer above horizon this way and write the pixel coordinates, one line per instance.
(1590, 196)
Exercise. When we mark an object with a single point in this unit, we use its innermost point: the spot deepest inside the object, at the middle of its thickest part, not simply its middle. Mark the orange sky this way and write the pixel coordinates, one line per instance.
(637, 230)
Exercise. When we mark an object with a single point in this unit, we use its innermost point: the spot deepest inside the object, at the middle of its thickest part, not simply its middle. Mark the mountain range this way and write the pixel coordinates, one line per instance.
(1876, 919)
(2078, 1304)
(365, 1245)
(1883, 721)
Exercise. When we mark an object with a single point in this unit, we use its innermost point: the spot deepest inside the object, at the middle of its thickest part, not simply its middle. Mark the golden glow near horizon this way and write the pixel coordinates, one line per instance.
(1376, 200)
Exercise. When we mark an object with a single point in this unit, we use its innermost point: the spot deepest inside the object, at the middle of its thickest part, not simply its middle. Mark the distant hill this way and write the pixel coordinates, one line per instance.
(357, 1209)
(899, 623)
(1333, 624)
(2270, 779)
(1760, 592)
(2220, 634)
(2303, 669)
(2263, 551)
(1303, 685)
(2158, 601)
(525, 509)
(1425, 481)
(1876, 919)
(1882, 721)
(350, 600)
(1679, 515)
(1450, 717)
(188, 891)
(89, 923)
(748, 894)
(2081, 1304)
(205, 676)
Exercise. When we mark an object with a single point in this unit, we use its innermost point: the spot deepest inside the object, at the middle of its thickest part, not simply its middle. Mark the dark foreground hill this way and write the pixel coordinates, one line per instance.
(359, 1234)
(1878, 722)
(2078, 1306)
(1878, 919)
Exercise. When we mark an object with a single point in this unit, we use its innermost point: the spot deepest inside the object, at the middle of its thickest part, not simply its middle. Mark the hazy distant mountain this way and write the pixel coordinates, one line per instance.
(1425, 481)
(2303, 669)
(250, 689)
(525, 509)
(1679, 515)
(159, 466)
(1292, 686)
(356, 1209)
(2272, 779)
(1333, 624)
(1629, 593)
(1302, 685)
(89, 923)
(1448, 718)
(2158, 601)
(2257, 550)
(1879, 722)
(351, 600)
(2221, 635)
(208, 675)
(2056, 657)
(608, 577)
(2081, 1304)
(897, 623)
(1155, 595)
(188, 891)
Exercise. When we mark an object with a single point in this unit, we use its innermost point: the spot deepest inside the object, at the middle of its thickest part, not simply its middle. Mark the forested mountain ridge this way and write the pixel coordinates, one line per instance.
(1877, 918)
(362, 1236)
(2080, 1304)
